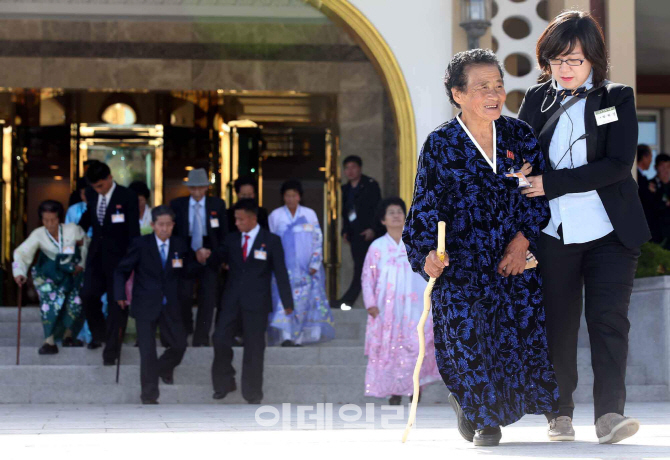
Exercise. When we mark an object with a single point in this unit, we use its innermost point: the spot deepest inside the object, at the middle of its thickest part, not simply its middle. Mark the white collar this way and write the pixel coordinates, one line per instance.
(253, 232)
(192, 202)
(160, 243)
(108, 195)
(492, 164)
(288, 212)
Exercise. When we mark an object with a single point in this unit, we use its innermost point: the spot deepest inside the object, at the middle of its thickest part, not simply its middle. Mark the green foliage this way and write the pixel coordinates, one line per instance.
(654, 261)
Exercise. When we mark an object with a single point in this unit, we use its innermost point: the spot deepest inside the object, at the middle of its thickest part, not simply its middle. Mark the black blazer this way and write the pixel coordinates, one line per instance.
(151, 282)
(250, 283)
(110, 241)
(214, 208)
(611, 149)
(365, 200)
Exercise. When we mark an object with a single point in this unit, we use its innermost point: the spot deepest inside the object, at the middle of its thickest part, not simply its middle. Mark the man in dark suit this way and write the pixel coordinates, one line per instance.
(252, 254)
(112, 211)
(202, 220)
(360, 198)
(160, 262)
(647, 189)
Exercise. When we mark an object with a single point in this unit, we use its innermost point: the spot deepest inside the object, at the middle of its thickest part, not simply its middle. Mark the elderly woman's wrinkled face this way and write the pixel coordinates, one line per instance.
(51, 221)
(485, 93)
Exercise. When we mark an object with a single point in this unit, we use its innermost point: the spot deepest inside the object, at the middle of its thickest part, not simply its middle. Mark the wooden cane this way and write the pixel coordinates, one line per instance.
(441, 231)
(118, 359)
(18, 327)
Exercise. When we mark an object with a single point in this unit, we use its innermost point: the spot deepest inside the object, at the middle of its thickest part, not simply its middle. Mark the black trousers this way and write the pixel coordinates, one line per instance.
(152, 367)
(99, 279)
(604, 269)
(254, 325)
(208, 296)
(359, 249)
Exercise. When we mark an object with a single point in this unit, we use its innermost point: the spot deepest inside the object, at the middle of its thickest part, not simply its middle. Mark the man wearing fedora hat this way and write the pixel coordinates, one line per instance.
(202, 221)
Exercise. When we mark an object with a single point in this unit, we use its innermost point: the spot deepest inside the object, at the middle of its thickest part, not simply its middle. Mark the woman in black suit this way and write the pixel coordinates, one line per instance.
(587, 127)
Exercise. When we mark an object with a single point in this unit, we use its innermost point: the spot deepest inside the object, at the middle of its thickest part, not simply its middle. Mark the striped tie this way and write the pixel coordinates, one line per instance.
(102, 209)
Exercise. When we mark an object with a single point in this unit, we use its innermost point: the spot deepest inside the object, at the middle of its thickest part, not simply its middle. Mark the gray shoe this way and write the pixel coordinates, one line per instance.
(560, 429)
(611, 428)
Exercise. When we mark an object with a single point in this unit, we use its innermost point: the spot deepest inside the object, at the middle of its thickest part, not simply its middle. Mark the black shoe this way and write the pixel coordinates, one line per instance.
(222, 394)
(288, 343)
(167, 380)
(70, 342)
(200, 344)
(254, 401)
(464, 427)
(93, 345)
(488, 437)
(149, 401)
(47, 349)
(109, 362)
(395, 400)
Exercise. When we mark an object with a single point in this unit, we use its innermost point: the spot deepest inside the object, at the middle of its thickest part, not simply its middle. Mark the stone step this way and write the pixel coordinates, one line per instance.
(308, 355)
(129, 393)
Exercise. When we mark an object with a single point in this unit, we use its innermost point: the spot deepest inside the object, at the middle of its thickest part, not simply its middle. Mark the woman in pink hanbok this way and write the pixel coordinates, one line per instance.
(393, 296)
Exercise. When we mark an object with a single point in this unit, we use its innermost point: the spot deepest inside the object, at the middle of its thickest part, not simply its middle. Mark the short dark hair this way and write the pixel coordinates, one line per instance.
(353, 159)
(561, 36)
(82, 183)
(291, 184)
(456, 75)
(97, 171)
(246, 180)
(51, 206)
(386, 202)
(247, 205)
(661, 158)
(642, 151)
(162, 210)
(140, 188)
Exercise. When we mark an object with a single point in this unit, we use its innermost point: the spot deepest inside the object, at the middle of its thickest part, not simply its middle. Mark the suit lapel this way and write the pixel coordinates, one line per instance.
(155, 252)
(186, 209)
(111, 206)
(593, 103)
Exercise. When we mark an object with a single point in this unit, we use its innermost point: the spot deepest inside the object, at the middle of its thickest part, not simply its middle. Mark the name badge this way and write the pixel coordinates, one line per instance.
(308, 227)
(177, 263)
(523, 182)
(118, 218)
(69, 249)
(605, 116)
(352, 216)
(214, 222)
(260, 255)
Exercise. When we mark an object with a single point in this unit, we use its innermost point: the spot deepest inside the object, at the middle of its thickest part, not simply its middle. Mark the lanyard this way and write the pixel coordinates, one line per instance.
(59, 243)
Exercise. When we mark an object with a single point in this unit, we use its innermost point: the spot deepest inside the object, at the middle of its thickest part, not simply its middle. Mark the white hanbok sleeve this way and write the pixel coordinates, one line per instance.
(25, 253)
(370, 277)
(80, 235)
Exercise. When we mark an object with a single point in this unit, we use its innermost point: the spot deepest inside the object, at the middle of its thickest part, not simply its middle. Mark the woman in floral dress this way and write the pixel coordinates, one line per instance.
(58, 275)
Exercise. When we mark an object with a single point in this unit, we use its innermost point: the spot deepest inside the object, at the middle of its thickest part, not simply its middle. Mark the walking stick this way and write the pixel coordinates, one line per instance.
(441, 230)
(118, 359)
(18, 327)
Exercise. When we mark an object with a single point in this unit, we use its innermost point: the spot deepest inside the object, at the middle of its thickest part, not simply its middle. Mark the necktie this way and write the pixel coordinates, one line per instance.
(164, 260)
(196, 234)
(579, 92)
(102, 209)
(244, 248)
(163, 254)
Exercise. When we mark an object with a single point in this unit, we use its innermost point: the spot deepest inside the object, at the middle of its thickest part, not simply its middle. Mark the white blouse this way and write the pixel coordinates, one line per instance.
(40, 239)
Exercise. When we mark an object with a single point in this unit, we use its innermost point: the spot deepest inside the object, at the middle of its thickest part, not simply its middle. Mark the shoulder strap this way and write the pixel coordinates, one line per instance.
(563, 108)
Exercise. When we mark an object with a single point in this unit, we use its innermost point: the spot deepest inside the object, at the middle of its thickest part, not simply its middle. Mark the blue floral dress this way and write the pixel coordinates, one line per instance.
(490, 338)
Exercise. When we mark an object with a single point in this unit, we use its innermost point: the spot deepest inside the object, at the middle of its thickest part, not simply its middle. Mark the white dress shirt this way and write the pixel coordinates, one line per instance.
(582, 215)
(108, 198)
(191, 215)
(161, 243)
(252, 237)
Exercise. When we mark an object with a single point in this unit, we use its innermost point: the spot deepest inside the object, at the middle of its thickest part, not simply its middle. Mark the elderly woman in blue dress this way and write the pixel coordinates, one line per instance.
(301, 237)
(57, 275)
(488, 316)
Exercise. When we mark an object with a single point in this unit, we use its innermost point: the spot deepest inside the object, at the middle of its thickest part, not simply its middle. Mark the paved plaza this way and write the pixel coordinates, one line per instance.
(232, 432)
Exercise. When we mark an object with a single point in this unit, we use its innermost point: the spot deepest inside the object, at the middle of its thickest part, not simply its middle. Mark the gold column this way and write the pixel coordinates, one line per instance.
(6, 194)
(331, 236)
(236, 160)
(226, 178)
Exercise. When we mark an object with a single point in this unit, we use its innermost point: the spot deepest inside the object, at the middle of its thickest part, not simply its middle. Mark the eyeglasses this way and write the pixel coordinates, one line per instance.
(570, 62)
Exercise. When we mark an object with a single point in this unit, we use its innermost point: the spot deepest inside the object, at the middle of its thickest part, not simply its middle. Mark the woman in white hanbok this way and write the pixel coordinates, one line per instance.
(300, 233)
